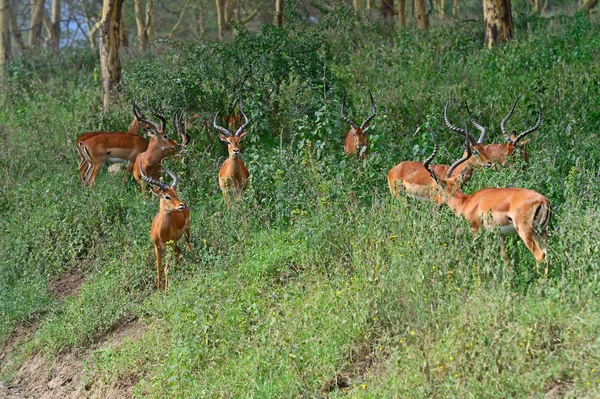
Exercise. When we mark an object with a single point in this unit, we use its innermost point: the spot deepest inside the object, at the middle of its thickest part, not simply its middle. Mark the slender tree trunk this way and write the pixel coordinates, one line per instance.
(55, 25)
(442, 10)
(14, 27)
(421, 14)
(588, 5)
(221, 17)
(201, 24)
(279, 12)
(369, 6)
(4, 34)
(179, 19)
(387, 9)
(455, 9)
(37, 19)
(144, 22)
(401, 14)
(123, 36)
(498, 21)
(355, 4)
(110, 64)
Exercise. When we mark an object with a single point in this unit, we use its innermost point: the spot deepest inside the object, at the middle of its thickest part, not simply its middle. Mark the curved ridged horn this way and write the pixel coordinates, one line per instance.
(154, 113)
(433, 154)
(220, 128)
(149, 180)
(245, 125)
(344, 117)
(137, 112)
(457, 129)
(503, 123)
(373, 110)
(140, 117)
(463, 159)
(481, 138)
(535, 127)
(173, 175)
(181, 130)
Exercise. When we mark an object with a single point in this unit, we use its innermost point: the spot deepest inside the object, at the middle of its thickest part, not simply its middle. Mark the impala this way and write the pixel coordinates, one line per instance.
(135, 128)
(114, 148)
(514, 210)
(414, 179)
(233, 175)
(159, 147)
(357, 141)
(169, 224)
(499, 153)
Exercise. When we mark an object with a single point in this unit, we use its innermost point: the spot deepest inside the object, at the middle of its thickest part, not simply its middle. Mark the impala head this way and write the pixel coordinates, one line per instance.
(169, 201)
(232, 140)
(476, 147)
(159, 137)
(446, 185)
(515, 140)
(140, 118)
(358, 132)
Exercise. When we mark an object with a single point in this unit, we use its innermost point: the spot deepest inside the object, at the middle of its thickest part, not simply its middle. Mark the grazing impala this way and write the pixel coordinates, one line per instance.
(514, 210)
(134, 129)
(160, 146)
(169, 224)
(357, 141)
(114, 148)
(233, 175)
(414, 180)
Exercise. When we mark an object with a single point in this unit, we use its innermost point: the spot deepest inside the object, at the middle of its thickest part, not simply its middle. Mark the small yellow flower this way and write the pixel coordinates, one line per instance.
(587, 383)
(433, 267)
(457, 288)
(363, 386)
(445, 244)
(366, 356)
(593, 370)
(456, 375)
(401, 341)
(374, 318)
(380, 348)
(451, 358)
(412, 333)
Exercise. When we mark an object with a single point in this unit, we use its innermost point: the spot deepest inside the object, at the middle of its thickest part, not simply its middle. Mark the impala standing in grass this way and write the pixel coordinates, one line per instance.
(170, 223)
(513, 210)
(233, 175)
(357, 141)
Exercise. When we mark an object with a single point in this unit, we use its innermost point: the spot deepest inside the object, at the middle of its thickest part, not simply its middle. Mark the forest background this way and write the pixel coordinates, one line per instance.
(317, 284)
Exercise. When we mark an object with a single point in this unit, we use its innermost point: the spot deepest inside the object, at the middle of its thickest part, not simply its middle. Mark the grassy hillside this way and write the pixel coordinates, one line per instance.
(318, 283)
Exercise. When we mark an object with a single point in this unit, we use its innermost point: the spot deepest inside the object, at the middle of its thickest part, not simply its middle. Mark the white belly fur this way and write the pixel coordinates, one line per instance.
(116, 160)
(508, 229)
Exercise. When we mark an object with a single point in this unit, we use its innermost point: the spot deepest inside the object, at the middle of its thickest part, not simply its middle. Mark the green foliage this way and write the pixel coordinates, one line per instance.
(318, 283)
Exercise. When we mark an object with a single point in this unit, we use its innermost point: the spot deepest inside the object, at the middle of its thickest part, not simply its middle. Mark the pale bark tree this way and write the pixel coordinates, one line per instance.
(14, 26)
(221, 25)
(5, 51)
(498, 21)
(455, 9)
(200, 27)
(539, 6)
(421, 14)
(279, 11)
(369, 6)
(110, 64)
(588, 5)
(143, 19)
(55, 25)
(92, 22)
(401, 13)
(355, 4)
(179, 19)
(37, 19)
(123, 36)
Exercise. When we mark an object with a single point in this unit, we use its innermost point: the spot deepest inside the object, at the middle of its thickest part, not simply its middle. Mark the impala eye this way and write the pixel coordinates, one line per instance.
(167, 197)
(228, 142)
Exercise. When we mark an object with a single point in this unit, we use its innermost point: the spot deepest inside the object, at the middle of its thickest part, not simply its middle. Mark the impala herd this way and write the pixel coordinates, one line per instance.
(511, 210)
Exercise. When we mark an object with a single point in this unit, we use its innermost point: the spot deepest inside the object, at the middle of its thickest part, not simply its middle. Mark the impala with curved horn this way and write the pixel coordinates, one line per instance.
(357, 141)
(233, 175)
(160, 146)
(414, 180)
(114, 148)
(501, 152)
(170, 223)
(135, 128)
(513, 210)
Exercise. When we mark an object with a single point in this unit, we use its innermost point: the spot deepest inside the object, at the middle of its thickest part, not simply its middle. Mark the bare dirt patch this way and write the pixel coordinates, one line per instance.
(67, 284)
(559, 389)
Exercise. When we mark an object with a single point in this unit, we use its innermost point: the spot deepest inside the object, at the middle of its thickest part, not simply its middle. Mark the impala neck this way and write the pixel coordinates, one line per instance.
(134, 128)
(457, 200)
(236, 165)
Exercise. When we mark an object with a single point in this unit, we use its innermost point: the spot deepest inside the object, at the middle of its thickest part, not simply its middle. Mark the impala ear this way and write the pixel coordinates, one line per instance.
(156, 191)
(523, 142)
(513, 135)
(223, 137)
(242, 136)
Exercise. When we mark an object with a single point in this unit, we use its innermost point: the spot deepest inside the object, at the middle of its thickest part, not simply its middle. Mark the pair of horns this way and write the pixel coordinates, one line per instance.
(177, 119)
(160, 185)
(227, 132)
(366, 122)
(466, 156)
(479, 127)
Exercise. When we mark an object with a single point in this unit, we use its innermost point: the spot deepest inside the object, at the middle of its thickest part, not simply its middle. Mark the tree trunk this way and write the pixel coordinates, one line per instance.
(179, 19)
(4, 34)
(14, 27)
(421, 14)
(498, 21)
(455, 9)
(401, 14)
(355, 4)
(37, 19)
(144, 22)
(123, 37)
(588, 5)
(279, 12)
(110, 64)
(55, 25)
(387, 9)
(221, 17)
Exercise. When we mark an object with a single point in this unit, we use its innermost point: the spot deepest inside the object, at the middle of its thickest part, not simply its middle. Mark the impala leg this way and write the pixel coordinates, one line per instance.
(166, 277)
(527, 234)
(159, 254)
(187, 237)
(95, 170)
(503, 249)
(177, 252)
(128, 172)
